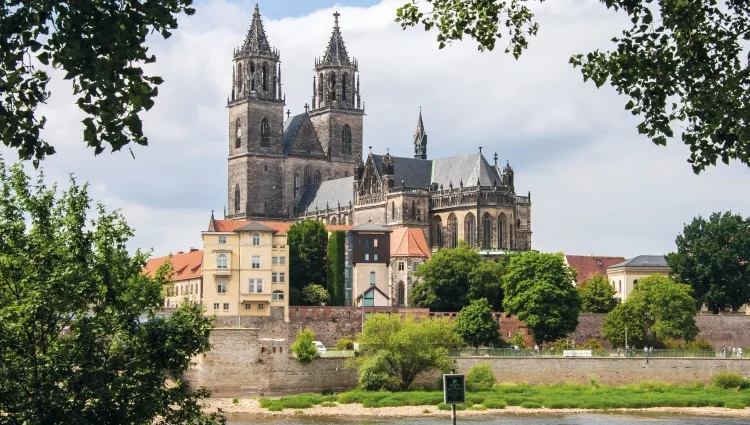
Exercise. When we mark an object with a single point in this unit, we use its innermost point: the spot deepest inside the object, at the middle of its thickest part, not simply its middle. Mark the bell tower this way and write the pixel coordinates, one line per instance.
(420, 139)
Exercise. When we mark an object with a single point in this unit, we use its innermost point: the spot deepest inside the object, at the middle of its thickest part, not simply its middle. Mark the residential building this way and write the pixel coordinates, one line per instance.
(370, 259)
(587, 266)
(624, 276)
(187, 278)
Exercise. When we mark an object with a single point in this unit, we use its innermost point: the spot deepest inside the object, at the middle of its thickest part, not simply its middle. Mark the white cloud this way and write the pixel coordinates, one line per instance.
(597, 186)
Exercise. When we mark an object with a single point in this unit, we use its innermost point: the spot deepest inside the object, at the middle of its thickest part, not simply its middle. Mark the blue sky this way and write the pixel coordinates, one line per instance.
(277, 9)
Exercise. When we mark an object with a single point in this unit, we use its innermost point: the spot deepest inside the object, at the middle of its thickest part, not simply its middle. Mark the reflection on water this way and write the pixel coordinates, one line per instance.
(598, 419)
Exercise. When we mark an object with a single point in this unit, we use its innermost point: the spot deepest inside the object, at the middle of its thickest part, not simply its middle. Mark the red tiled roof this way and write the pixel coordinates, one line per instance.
(409, 242)
(586, 266)
(281, 226)
(187, 265)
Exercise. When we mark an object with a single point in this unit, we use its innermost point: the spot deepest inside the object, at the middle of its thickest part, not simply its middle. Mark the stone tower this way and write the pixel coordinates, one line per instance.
(256, 108)
(337, 109)
(420, 139)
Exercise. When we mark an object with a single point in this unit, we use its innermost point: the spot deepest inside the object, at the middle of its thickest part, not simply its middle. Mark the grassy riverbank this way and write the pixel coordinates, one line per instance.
(564, 396)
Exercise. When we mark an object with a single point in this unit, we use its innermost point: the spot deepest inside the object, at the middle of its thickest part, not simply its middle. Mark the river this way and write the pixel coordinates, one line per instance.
(583, 419)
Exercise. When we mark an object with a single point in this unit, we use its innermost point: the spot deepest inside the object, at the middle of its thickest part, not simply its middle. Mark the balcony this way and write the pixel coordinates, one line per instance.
(245, 297)
(223, 272)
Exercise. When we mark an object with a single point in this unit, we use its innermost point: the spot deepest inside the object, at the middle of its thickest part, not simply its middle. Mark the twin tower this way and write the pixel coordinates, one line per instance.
(273, 156)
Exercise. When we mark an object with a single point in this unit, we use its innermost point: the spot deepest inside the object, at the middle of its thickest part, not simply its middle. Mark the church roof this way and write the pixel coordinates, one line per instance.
(371, 227)
(420, 173)
(409, 242)
(255, 40)
(644, 261)
(413, 172)
(291, 127)
(330, 192)
(336, 50)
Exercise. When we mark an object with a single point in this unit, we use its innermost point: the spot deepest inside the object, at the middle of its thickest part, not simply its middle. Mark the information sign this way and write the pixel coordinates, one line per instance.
(576, 353)
(454, 389)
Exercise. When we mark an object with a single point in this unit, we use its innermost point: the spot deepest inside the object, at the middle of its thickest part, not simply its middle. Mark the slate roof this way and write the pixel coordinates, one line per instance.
(409, 242)
(333, 192)
(291, 128)
(644, 261)
(370, 227)
(186, 265)
(420, 173)
(255, 226)
(586, 266)
(255, 40)
(414, 172)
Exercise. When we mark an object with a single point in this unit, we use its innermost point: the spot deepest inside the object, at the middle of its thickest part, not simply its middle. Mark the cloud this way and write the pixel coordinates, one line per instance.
(597, 187)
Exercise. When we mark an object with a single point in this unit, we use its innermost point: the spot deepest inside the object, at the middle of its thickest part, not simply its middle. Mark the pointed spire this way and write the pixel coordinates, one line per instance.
(336, 50)
(420, 139)
(255, 40)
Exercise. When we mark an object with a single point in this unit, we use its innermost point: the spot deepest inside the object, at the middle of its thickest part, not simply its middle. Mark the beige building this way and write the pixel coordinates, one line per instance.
(187, 278)
(246, 268)
(624, 276)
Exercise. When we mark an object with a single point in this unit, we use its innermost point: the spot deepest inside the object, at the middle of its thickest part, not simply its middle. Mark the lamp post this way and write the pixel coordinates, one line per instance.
(626, 339)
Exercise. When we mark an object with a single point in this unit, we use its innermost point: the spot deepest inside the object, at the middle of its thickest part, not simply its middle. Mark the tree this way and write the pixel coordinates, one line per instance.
(314, 294)
(454, 277)
(475, 325)
(303, 348)
(101, 46)
(335, 261)
(405, 348)
(658, 309)
(81, 337)
(682, 63)
(538, 290)
(713, 256)
(308, 242)
(597, 295)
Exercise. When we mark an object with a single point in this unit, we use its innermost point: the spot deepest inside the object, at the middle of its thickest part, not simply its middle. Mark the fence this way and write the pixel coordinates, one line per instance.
(632, 353)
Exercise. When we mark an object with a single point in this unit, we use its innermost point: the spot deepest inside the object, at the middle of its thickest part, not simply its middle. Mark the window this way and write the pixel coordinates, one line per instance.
(216, 306)
(437, 232)
(317, 176)
(277, 296)
(265, 133)
(413, 210)
(282, 277)
(222, 239)
(254, 286)
(343, 85)
(221, 286)
(226, 306)
(248, 307)
(332, 85)
(369, 299)
(261, 307)
(372, 278)
(453, 227)
(252, 76)
(346, 139)
(393, 211)
(282, 260)
(400, 294)
(222, 262)
(256, 239)
(256, 261)
(375, 257)
(415, 265)
(470, 230)
(238, 134)
(274, 277)
(500, 224)
(375, 243)
(400, 265)
(264, 76)
(367, 256)
(486, 232)
(296, 183)
(367, 243)
(274, 260)
(237, 199)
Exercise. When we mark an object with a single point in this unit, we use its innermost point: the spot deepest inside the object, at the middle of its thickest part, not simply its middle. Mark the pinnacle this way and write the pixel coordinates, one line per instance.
(256, 41)
(336, 50)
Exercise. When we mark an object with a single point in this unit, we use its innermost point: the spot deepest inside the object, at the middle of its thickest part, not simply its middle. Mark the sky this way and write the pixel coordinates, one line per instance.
(597, 187)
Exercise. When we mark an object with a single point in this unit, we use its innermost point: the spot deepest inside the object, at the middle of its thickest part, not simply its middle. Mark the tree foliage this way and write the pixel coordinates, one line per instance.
(658, 309)
(713, 256)
(597, 295)
(455, 277)
(403, 348)
(101, 47)
(303, 348)
(335, 262)
(475, 324)
(81, 340)
(308, 243)
(538, 290)
(681, 63)
(314, 294)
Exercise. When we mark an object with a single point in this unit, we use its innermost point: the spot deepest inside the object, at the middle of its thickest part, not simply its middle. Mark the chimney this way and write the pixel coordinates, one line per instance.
(193, 249)
(180, 252)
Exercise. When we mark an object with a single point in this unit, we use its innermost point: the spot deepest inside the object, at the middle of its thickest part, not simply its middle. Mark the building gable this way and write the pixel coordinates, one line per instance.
(300, 136)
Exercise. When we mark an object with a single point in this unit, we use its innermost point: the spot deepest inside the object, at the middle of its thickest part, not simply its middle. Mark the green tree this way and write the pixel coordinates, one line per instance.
(597, 295)
(681, 63)
(658, 309)
(405, 348)
(314, 294)
(81, 337)
(538, 290)
(475, 324)
(713, 256)
(308, 242)
(101, 47)
(455, 277)
(303, 348)
(335, 261)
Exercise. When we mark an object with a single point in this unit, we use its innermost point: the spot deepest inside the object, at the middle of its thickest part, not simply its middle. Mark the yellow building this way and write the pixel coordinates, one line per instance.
(187, 279)
(624, 276)
(245, 268)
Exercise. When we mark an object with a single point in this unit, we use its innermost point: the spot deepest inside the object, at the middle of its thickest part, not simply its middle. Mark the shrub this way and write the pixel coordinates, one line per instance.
(593, 381)
(730, 380)
(330, 397)
(345, 344)
(734, 405)
(329, 404)
(518, 340)
(495, 404)
(480, 378)
(426, 411)
(235, 400)
(696, 344)
(327, 391)
(530, 405)
(372, 378)
(303, 347)
(443, 406)
(593, 344)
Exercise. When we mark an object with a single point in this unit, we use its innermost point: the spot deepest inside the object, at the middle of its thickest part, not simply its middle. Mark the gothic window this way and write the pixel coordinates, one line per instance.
(238, 135)
(264, 77)
(296, 183)
(500, 224)
(437, 235)
(393, 211)
(308, 176)
(346, 139)
(470, 230)
(413, 210)
(453, 228)
(265, 133)
(320, 89)
(240, 77)
(332, 85)
(317, 176)
(400, 294)
(333, 220)
(252, 76)
(237, 199)
(486, 232)
(343, 86)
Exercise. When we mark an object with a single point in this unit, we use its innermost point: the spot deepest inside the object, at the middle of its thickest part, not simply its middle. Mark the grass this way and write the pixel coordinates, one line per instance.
(726, 391)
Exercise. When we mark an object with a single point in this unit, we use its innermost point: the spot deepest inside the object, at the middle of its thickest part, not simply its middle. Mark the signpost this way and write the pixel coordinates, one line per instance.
(454, 391)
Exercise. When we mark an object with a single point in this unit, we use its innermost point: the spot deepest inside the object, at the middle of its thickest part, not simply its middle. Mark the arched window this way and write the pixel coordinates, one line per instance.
(240, 77)
(486, 232)
(252, 76)
(296, 183)
(344, 79)
(264, 76)
(453, 228)
(400, 294)
(333, 220)
(320, 89)
(238, 134)
(500, 224)
(470, 230)
(222, 262)
(437, 232)
(346, 139)
(308, 176)
(413, 210)
(256, 239)
(317, 176)
(237, 199)
(393, 211)
(265, 132)
(332, 85)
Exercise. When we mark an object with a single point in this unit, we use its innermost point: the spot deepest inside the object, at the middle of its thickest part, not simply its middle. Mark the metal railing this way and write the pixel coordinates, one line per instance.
(631, 353)
(338, 353)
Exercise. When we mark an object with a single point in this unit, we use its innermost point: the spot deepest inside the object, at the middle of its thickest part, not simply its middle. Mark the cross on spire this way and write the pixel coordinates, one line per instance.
(307, 106)
(288, 112)
(336, 15)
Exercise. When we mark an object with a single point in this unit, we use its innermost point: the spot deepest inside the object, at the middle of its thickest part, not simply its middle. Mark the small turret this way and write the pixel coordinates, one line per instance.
(420, 139)
(388, 170)
(508, 176)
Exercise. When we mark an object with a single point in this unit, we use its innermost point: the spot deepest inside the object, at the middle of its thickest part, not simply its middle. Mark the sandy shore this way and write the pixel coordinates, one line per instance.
(252, 407)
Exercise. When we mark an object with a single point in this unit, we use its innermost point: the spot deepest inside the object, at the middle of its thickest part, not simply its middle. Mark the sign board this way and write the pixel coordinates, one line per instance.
(576, 353)
(454, 389)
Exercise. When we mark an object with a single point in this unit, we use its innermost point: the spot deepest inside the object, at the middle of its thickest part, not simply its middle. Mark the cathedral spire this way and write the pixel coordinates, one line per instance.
(336, 50)
(420, 139)
(256, 41)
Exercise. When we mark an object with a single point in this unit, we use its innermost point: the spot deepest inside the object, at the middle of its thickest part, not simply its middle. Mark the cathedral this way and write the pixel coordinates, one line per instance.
(284, 167)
